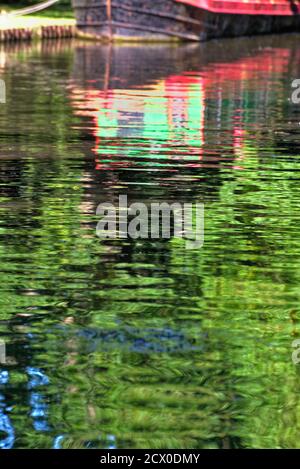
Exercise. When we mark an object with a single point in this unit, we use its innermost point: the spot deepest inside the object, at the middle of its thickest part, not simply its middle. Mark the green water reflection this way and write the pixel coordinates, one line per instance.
(142, 343)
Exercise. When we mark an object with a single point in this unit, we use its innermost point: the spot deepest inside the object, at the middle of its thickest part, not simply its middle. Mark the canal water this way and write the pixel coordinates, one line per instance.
(142, 343)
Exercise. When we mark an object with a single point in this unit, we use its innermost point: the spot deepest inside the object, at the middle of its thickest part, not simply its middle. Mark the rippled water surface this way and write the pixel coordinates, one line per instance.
(143, 343)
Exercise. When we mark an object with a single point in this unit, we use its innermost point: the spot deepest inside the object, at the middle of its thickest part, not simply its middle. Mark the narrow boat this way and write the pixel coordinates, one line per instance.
(194, 20)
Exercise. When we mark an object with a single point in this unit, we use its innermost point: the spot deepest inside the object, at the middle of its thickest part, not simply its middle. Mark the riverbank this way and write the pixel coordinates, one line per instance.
(35, 27)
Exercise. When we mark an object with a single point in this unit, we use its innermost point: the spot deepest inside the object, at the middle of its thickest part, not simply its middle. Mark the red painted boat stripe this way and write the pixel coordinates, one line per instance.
(244, 7)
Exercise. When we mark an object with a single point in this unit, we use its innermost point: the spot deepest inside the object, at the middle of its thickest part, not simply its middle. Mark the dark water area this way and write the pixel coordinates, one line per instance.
(142, 343)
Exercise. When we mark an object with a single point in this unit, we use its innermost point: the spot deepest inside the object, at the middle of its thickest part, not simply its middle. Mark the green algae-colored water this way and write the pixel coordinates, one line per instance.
(142, 343)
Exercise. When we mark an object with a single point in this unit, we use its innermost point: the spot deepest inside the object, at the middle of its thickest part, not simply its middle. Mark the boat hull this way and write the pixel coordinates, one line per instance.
(155, 20)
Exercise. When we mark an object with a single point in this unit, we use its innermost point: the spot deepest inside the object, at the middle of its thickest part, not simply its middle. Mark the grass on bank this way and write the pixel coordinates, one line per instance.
(55, 11)
(55, 15)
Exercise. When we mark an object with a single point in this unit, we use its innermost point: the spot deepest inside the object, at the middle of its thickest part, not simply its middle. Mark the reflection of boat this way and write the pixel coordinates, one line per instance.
(185, 19)
(162, 123)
